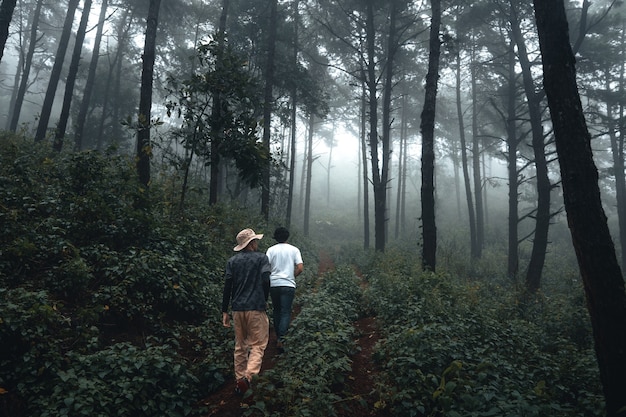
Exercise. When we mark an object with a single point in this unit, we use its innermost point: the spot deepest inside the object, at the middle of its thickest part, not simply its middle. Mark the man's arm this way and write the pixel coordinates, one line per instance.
(265, 277)
(228, 288)
(298, 270)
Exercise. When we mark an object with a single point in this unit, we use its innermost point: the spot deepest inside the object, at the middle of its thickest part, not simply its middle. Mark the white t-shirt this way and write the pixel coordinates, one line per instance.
(283, 259)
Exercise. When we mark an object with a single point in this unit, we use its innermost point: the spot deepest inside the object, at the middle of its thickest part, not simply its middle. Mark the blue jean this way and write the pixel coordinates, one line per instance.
(282, 300)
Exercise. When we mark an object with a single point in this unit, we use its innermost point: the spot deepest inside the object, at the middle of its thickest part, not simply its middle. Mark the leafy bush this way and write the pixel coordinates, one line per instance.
(32, 333)
(319, 345)
(465, 349)
(88, 274)
(121, 380)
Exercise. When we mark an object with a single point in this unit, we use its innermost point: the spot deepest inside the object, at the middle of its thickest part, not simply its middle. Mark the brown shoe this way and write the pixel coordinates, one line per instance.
(242, 386)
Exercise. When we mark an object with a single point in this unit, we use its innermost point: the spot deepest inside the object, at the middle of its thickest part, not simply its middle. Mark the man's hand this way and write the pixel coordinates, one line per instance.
(225, 319)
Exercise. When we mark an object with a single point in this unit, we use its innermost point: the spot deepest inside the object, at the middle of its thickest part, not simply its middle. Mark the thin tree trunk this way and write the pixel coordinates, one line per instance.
(602, 277)
(427, 128)
(91, 78)
(365, 181)
(405, 168)
(330, 165)
(116, 91)
(618, 168)
(399, 195)
(303, 176)
(542, 217)
(456, 164)
(379, 188)
(512, 143)
(293, 116)
(19, 100)
(309, 176)
(464, 162)
(486, 162)
(476, 153)
(55, 75)
(18, 72)
(115, 74)
(71, 78)
(6, 14)
(267, 105)
(217, 124)
(143, 150)
(386, 133)
(617, 145)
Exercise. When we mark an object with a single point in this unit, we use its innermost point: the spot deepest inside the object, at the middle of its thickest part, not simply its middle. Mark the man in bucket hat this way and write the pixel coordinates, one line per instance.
(246, 289)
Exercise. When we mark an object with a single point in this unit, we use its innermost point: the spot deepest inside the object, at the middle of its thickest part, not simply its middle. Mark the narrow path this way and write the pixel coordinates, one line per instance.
(224, 402)
(359, 390)
(361, 382)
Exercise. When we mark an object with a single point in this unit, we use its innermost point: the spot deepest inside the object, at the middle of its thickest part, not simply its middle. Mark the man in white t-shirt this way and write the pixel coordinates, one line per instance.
(286, 263)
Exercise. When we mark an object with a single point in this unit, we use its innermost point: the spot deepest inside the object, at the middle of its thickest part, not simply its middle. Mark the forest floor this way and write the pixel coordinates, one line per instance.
(359, 383)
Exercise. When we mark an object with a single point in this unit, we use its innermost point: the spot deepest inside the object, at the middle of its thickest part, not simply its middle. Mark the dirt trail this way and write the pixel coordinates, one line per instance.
(224, 402)
(359, 383)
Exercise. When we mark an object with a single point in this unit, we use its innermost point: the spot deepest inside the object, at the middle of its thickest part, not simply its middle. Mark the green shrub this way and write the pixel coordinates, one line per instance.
(121, 380)
(465, 349)
(320, 343)
(34, 334)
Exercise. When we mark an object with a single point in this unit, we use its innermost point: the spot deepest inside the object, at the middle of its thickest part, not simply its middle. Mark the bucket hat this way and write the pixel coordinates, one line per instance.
(244, 237)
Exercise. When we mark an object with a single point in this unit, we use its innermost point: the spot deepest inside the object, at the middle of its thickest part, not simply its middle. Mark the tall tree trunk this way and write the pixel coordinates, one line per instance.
(365, 178)
(456, 163)
(602, 277)
(91, 78)
(71, 78)
(309, 175)
(143, 148)
(427, 128)
(512, 143)
(478, 189)
(55, 75)
(18, 71)
(386, 128)
(124, 43)
(464, 162)
(399, 195)
(616, 135)
(6, 14)
(115, 74)
(405, 168)
(217, 124)
(379, 188)
(542, 214)
(268, 104)
(330, 165)
(293, 115)
(618, 168)
(621, 197)
(19, 100)
(303, 177)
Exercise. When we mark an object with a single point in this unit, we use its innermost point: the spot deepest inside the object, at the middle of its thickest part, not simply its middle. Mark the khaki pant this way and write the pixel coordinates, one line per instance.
(252, 329)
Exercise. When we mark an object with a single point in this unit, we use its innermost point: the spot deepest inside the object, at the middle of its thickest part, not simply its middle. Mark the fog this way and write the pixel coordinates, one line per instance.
(328, 82)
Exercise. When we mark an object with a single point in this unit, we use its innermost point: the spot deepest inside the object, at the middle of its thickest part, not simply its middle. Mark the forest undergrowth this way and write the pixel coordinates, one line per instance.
(110, 298)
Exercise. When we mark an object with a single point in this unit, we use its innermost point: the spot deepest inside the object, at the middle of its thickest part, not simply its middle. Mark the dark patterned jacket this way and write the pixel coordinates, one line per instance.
(247, 282)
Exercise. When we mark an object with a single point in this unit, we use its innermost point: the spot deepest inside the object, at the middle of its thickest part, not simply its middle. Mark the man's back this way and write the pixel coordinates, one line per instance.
(283, 257)
(246, 270)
